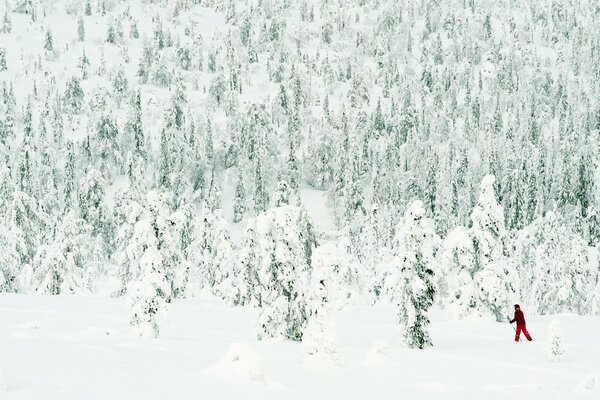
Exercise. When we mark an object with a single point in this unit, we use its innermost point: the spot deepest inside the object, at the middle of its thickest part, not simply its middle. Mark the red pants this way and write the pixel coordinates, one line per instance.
(522, 328)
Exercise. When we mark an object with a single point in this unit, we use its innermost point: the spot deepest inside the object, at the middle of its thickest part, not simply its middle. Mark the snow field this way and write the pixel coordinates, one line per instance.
(74, 347)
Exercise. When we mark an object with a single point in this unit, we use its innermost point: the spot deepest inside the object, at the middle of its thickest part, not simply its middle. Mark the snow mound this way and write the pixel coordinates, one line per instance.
(322, 362)
(31, 325)
(590, 383)
(379, 350)
(242, 363)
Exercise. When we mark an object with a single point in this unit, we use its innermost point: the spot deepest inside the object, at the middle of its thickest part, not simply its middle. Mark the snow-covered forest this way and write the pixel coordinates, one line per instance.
(296, 157)
(249, 170)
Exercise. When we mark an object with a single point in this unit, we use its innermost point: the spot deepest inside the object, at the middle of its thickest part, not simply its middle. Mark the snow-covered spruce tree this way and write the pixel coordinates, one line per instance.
(28, 227)
(135, 127)
(3, 59)
(459, 256)
(319, 339)
(53, 273)
(74, 239)
(127, 212)
(92, 206)
(555, 266)
(49, 45)
(108, 152)
(239, 202)
(73, 96)
(342, 270)
(261, 199)
(213, 266)
(154, 231)
(495, 277)
(9, 263)
(6, 22)
(80, 29)
(111, 34)
(10, 259)
(120, 84)
(282, 194)
(411, 286)
(555, 350)
(282, 258)
(371, 249)
(149, 294)
(65, 264)
(249, 261)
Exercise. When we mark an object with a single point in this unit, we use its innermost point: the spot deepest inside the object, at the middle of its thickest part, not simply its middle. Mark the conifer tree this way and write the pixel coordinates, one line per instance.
(285, 242)
(414, 276)
(239, 202)
(148, 298)
(73, 97)
(3, 66)
(319, 338)
(48, 42)
(260, 194)
(495, 276)
(282, 194)
(120, 84)
(111, 33)
(6, 22)
(135, 126)
(80, 29)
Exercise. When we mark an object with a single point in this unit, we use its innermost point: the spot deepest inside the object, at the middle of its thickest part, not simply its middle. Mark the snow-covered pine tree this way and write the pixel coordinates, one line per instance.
(120, 84)
(93, 209)
(285, 241)
(342, 270)
(73, 97)
(319, 339)
(239, 202)
(555, 266)
(459, 256)
(249, 260)
(282, 194)
(495, 277)
(49, 44)
(52, 272)
(10, 259)
(411, 286)
(213, 265)
(3, 66)
(6, 22)
(127, 212)
(149, 294)
(28, 226)
(108, 152)
(371, 251)
(261, 199)
(80, 29)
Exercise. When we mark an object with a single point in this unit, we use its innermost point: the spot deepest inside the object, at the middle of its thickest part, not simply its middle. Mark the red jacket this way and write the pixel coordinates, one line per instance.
(519, 317)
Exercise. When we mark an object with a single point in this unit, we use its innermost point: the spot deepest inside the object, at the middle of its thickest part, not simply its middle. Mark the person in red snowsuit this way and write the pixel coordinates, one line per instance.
(521, 326)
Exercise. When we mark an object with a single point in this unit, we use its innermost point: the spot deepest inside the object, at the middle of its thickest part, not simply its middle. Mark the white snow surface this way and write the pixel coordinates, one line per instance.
(81, 347)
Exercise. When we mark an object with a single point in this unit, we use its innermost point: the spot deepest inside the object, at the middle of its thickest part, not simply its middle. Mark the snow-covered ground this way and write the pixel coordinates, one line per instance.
(80, 347)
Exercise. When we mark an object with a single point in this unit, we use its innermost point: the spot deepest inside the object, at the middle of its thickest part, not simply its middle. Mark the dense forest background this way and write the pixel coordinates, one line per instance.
(137, 138)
